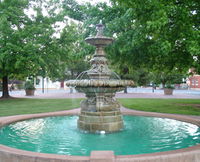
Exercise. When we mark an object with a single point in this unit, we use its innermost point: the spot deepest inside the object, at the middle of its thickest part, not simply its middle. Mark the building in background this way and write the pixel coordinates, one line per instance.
(194, 80)
(47, 84)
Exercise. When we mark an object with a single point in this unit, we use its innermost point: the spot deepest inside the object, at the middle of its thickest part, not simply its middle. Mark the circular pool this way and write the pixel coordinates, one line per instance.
(188, 153)
(59, 135)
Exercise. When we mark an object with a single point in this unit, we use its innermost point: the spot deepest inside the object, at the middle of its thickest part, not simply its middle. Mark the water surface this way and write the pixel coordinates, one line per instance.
(59, 135)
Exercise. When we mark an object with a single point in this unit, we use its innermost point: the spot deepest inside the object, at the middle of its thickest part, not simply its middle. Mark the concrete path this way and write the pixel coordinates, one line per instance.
(139, 92)
(63, 94)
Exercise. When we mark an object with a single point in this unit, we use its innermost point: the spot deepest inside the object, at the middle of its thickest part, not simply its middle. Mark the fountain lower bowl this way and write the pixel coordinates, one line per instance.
(190, 154)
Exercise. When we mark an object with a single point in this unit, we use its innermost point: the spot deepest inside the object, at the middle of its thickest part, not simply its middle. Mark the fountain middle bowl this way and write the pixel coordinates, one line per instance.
(99, 83)
(99, 86)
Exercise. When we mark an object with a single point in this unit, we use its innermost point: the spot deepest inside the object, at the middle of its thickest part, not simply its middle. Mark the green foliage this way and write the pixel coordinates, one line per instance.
(157, 35)
(13, 54)
(154, 35)
(72, 42)
(140, 76)
(28, 42)
(169, 86)
(29, 85)
(143, 77)
(166, 31)
(167, 78)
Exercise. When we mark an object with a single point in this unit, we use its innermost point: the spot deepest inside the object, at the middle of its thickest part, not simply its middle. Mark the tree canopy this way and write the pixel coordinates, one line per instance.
(158, 35)
(168, 32)
(72, 43)
(28, 45)
(161, 36)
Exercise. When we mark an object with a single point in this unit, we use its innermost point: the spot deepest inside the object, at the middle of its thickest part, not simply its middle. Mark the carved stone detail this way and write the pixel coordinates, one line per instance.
(99, 60)
(99, 68)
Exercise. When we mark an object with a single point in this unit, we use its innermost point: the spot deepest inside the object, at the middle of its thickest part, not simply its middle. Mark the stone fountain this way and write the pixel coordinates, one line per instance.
(100, 111)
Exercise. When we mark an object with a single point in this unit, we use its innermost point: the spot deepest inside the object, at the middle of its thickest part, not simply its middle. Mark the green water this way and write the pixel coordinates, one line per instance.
(59, 135)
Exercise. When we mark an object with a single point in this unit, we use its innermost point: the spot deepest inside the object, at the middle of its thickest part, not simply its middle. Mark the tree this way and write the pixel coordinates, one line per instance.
(89, 15)
(118, 22)
(27, 42)
(167, 78)
(72, 42)
(13, 23)
(165, 31)
(151, 34)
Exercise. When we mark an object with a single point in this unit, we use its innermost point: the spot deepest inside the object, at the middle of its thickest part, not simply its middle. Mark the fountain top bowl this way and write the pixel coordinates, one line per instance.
(99, 41)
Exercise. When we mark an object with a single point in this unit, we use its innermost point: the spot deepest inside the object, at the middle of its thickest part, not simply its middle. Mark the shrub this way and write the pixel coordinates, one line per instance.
(29, 85)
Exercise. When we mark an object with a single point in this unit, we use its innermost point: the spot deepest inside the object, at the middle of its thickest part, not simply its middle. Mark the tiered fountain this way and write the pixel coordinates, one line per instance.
(100, 111)
(44, 138)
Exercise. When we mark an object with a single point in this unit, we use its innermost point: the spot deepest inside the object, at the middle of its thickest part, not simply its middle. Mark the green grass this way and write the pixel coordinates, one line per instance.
(173, 106)
(31, 106)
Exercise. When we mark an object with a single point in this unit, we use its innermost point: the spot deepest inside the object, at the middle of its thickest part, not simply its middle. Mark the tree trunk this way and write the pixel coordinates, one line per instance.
(5, 87)
(163, 85)
(126, 90)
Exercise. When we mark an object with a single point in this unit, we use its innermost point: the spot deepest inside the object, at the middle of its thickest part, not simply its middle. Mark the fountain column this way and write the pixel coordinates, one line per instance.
(100, 111)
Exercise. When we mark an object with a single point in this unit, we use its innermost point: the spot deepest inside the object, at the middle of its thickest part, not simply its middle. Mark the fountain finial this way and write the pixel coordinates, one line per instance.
(99, 28)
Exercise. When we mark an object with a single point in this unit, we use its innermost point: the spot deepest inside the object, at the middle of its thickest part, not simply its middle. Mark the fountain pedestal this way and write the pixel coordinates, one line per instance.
(100, 111)
(100, 121)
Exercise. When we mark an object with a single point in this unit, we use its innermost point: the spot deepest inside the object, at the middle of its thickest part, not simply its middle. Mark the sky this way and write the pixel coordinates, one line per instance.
(61, 24)
(93, 2)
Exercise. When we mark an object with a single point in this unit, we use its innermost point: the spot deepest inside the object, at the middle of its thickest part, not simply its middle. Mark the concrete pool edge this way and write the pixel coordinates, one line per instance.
(190, 154)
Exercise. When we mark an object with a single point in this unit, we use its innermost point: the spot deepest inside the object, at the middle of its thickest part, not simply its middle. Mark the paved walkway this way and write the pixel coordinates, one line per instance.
(63, 94)
(139, 92)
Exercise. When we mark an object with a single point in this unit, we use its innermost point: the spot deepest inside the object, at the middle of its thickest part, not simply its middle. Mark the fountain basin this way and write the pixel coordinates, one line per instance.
(190, 154)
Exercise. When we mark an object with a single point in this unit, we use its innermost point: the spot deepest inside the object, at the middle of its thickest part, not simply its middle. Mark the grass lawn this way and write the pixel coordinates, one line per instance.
(30, 106)
(173, 106)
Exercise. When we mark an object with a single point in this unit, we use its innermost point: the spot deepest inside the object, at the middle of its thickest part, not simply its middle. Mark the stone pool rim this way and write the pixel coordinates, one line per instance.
(189, 154)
